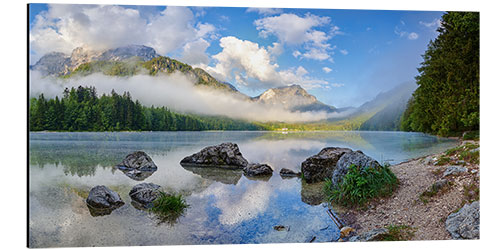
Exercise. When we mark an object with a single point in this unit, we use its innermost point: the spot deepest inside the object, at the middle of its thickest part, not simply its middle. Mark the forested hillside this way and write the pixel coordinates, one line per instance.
(81, 109)
(446, 101)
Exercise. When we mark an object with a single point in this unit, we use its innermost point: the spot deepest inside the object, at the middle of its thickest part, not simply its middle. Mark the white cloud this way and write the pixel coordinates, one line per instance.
(412, 36)
(326, 69)
(65, 27)
(432, 25)
(337, 85)
(244, 59)
(294, 30)
(253, 66)
(276, 49)
(402, 33)
(265, 11)
(344, 52)
(193, 53)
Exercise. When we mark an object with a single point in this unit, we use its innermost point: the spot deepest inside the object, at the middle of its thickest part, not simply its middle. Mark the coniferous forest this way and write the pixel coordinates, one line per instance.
(447, 99)
(81, 109)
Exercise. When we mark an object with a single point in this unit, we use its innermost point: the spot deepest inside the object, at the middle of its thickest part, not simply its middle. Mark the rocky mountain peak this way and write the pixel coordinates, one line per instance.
(57, 63)
(292, 97)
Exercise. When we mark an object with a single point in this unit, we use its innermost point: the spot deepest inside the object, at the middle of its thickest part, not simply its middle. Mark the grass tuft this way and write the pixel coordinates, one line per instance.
(360, 185)
(169, 207)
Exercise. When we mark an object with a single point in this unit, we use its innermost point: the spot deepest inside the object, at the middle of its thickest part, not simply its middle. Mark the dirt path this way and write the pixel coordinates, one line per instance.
(405, 207)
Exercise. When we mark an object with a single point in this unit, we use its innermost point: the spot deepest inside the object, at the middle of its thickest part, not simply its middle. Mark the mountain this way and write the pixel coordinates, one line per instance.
(391, 105)
(382, 112)
(293, 98)
(57, 63)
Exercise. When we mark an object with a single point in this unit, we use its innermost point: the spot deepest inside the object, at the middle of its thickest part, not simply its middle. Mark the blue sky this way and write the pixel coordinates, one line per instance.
(343, 57)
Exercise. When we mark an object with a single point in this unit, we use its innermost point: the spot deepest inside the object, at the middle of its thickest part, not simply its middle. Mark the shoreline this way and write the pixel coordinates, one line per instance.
(406, 206)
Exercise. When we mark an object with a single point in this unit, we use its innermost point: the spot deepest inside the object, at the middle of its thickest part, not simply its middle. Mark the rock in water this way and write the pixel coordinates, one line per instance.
(285, 172)
(101, 197)
(225, 155)
(320, 166)
(144, 193)
(357, 158)
(138, 161)
(464, 224)
(257, 169)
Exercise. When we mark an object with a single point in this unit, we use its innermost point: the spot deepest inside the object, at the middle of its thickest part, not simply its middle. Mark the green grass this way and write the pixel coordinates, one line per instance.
(169, 207)
(433, 191)
(472, 135)
(443, 160)
(471, 192)
(397, 233)
(360, 185)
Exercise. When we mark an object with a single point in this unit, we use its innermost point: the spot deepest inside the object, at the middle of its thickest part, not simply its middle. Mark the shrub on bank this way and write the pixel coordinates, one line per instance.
(361, 184)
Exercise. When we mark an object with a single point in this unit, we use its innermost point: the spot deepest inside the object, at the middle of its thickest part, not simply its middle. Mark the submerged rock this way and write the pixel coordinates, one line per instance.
(225, 155)
(321, 166)
(102, 200)
(144, 193)
(138, 161)
(464, 224)
(312, 194)
(257, 169)
(357, 158)
(285, 172)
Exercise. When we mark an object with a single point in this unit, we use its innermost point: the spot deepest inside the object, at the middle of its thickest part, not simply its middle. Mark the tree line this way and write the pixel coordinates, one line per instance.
(446, 101)
(81, 109)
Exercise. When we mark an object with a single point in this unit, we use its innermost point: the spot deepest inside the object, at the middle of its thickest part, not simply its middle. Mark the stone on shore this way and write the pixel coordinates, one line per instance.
(321, 166)
(371, 235)
(464, 224)
(357, 158)
(225, 155)
(454, 170)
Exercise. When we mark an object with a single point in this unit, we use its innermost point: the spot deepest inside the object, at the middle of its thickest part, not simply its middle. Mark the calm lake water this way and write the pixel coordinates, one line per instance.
(225, 207)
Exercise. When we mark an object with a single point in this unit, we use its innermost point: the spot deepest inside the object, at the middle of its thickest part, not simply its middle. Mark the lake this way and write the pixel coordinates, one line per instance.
(225, 207)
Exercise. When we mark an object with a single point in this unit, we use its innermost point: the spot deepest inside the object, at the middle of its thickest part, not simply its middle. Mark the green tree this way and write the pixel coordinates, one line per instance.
(447, 99)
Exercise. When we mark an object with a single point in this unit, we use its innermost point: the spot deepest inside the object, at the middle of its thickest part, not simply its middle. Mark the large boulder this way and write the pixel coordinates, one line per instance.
(144, 193)
(225, 155)
(464, 224)
(357, 158)
(101, 197)
(320, 166)
(139, 161)
(257, 169)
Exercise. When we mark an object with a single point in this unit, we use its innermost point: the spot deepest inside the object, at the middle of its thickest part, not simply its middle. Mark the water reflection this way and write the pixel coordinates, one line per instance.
(225, 176)
(136, 175)
(225, 208)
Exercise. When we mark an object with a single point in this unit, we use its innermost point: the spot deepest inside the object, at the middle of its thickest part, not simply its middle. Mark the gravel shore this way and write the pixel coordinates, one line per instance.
(406, 207)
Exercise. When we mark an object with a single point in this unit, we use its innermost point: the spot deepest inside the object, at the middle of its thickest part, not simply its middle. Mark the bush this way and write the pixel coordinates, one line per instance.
(360, 185)
(471, 135)
(169, 207)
